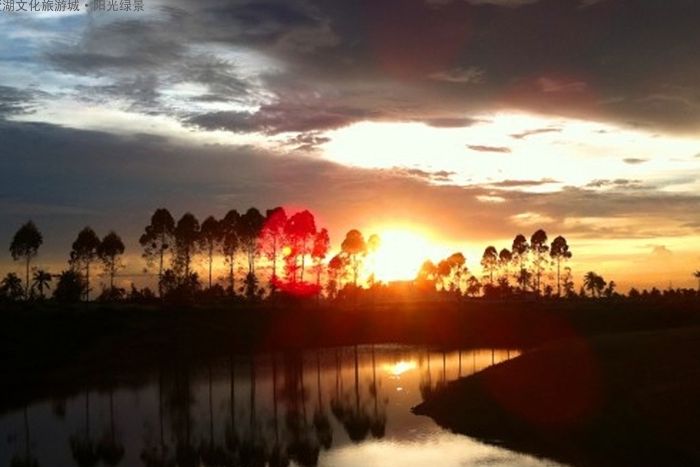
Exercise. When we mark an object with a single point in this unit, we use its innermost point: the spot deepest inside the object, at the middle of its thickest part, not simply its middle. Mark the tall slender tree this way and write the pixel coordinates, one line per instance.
(209, 239)
(84, 253)
(25, 246)
(300, 230)
(186, 238)
(696, 275)
(249, 228)
(273, 236)
(489, 262)
(157, 240)
(519, 251)
(230, 244)
(110, 251)
(559, 253)
(318, 254)
(505, 258)
(354, 246)
(538, 245)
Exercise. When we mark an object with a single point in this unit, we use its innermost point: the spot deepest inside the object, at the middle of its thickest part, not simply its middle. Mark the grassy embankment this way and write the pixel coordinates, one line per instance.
(616, 399)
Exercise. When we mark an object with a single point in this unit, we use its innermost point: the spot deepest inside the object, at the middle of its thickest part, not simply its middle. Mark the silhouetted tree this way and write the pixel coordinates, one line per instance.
(609, 291)
(427, 274)
(157, 239)
(559, 252)
(11, 287)
(249, 228)
(40, 281)
(538, 245)
(230, 244)
(524, 279)
(336, 269)
(354, 246)
(70, 287)
(84, 252)
(109, 251)
(443, 273)
(272, 235)
(25, 246)
(505, 257)
(300, 230)
(594, 283)
(473, 286)
(186, 238)
(489, 261)
(209, 238)
(519, 250)
(568, 283)
(318, 254)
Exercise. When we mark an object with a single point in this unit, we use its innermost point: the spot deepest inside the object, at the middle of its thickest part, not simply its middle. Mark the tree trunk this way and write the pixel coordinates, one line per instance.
(211, 261)
(26, 284)
(87, 280)
(558, 277)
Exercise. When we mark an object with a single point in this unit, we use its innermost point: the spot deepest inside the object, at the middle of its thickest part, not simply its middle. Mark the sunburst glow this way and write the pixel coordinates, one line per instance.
(401, 253)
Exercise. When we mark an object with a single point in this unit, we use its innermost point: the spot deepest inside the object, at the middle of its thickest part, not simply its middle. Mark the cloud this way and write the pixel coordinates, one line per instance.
(537, 131)
(15, 101)
(471, 75)
(634, 160)
(498, 149)
(523, 183)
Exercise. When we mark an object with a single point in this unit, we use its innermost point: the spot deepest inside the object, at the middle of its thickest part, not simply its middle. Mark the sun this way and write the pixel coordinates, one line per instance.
(400, 254)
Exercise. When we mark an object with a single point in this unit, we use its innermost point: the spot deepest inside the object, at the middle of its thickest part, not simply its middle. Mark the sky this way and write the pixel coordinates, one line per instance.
(454, 123)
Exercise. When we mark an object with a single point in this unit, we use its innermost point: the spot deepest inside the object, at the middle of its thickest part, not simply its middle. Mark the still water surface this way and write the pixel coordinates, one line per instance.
(333, 407)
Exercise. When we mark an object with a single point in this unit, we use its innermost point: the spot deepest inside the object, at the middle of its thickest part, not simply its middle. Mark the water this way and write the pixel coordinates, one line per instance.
(334, 407)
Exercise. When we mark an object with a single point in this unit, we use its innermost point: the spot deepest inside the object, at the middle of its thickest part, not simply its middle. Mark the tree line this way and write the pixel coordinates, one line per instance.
(290, 251)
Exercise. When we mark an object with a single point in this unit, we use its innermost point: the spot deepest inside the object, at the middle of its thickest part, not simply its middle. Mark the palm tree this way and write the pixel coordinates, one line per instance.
(594, 283)
(11, 287)
(25, 245)
(41, 280)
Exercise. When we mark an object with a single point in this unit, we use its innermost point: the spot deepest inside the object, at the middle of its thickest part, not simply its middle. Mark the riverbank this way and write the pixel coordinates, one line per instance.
(624, 399)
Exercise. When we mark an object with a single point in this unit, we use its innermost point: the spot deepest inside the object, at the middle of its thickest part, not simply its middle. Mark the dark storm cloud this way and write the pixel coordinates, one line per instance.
(15, 101)
(481, 148)
(629, 62)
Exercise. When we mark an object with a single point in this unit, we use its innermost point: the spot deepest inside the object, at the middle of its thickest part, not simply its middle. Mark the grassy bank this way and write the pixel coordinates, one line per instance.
(624, 399)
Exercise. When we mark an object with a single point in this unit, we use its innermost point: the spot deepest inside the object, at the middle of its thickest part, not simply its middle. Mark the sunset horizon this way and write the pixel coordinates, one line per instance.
(339, 233)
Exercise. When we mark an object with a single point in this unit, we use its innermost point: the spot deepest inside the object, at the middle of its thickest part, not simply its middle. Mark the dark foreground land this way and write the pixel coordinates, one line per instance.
(612, 382)
(622, 399)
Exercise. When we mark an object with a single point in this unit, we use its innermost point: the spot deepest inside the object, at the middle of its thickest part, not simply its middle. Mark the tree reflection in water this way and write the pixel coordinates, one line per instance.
(278, 422)
(81, 445)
